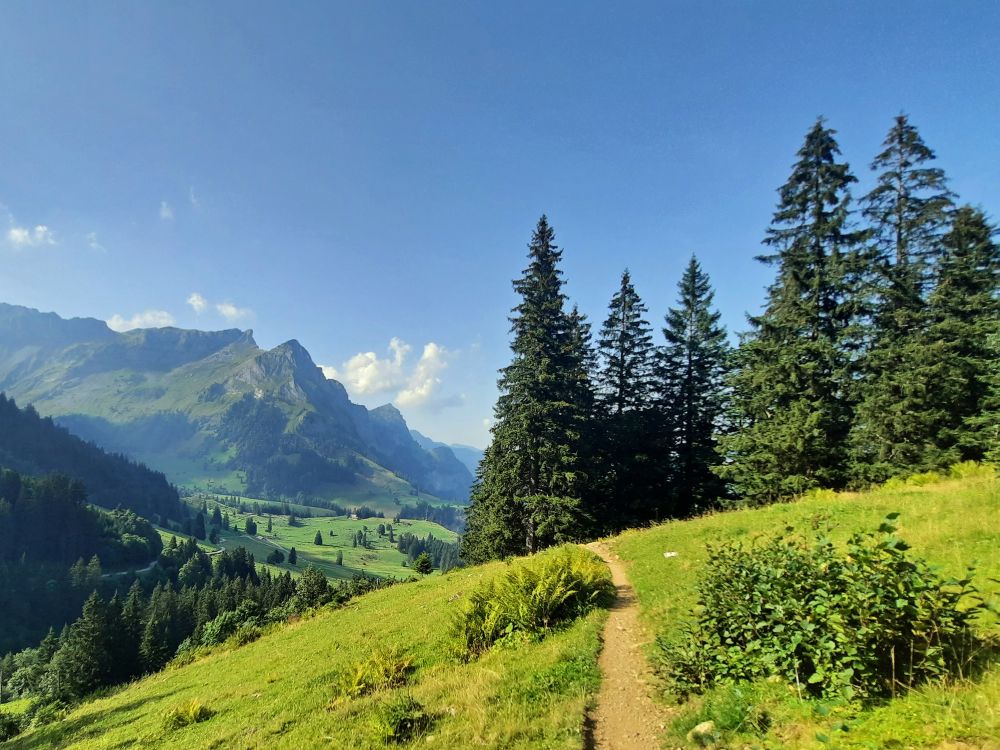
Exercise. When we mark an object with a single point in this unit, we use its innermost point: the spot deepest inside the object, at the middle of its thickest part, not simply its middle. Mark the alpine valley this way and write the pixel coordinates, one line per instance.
(213, 408)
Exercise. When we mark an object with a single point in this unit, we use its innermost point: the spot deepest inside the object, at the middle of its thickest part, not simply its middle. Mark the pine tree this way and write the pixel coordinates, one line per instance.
(199, 526)
(791, 393)
(293, 556)
(693, 395)
(422, 564)
(625, 378)
(527, 492)
(908, 211)
(318, 539)
(340, 557)
(965, 317)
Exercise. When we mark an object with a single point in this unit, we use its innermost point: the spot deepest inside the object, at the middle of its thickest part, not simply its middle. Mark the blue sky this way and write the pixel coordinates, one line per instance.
(364, 176)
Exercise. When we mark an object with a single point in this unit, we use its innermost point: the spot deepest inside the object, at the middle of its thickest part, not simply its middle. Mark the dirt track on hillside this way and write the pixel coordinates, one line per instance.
(626, 717)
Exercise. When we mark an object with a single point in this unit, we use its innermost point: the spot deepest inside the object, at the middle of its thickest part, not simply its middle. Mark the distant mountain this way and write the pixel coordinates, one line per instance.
(465, 453)
(212, 406)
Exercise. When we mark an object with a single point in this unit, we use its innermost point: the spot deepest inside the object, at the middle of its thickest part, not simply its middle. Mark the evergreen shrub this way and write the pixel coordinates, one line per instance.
(861, 623)
(531, 597)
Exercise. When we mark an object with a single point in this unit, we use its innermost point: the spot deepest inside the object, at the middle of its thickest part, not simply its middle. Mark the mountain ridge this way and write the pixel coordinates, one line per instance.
(267, 420)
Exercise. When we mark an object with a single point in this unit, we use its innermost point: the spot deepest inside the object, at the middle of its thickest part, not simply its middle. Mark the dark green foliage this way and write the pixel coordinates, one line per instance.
(791, 406)
(30, 444)
(340, 557)
(863, 623)
(276, 557)
(199, 527)
(293, 556)
(539, 419)
(423, 564)
(251, 527)
(964, 317)
(385, 668)
(897, 417)
(318, 539)
(693, 368)
(312, 588)
(628, 484)
(401, 719)
(531, 597)
(10, 726)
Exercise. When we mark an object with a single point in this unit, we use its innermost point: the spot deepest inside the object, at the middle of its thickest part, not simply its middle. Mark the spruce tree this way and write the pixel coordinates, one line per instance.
(528, 487)
(693, 368)
(965, 319)
(791, 392)
(318, 539)
(625, 378)
(908, 211)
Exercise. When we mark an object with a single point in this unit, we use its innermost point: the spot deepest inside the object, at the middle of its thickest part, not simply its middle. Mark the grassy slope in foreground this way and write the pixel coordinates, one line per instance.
(950, 523)
(275, 692)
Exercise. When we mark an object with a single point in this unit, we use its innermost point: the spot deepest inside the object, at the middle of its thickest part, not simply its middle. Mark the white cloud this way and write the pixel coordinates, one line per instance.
(166, 211)
(367, 374)
(145, 319)
(21, 237)
(197, 302)
(93, 244)
(419, 385)
(425, 379)
(232, 313)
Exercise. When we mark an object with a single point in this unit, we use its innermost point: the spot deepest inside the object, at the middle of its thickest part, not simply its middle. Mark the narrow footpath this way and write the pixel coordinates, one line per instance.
(626, 717)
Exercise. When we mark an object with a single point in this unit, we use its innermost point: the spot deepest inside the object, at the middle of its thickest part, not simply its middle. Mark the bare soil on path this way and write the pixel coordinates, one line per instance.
(626, 717)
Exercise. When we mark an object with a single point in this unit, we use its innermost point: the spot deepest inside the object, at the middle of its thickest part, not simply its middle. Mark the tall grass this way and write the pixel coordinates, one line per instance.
(531, 597)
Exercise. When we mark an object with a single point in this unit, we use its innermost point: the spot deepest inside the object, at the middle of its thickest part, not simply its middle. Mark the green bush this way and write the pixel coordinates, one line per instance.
(531, 597)
(190, 712)
(401, 719)
(384, 668)
(10, 726)
(863, 623)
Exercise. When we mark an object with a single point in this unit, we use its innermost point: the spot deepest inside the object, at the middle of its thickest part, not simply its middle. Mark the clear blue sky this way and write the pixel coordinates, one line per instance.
(352, 173)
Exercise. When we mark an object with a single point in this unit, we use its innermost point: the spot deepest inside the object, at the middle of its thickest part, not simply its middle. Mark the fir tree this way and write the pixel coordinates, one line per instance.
(293, 556)
(625, 375)
(693, 369)
(908, 209)
(422, 564)
(528, 488)
(318, 539)
(965, 319)
(791, 393)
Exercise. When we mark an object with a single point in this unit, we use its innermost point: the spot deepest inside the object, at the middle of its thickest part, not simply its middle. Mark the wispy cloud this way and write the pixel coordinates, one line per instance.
(197, 303)
(232, 313)
(145, 319)
(93, 244)
(21, 237)
(393, 376)
(166, 211)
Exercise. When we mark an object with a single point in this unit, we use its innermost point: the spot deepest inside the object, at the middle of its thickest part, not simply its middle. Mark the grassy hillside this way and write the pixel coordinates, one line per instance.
(277, 691)
(951, 523)
(381, 559)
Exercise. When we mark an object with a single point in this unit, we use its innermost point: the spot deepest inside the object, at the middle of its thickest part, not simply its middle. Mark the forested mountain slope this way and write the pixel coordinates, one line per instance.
(213, 405)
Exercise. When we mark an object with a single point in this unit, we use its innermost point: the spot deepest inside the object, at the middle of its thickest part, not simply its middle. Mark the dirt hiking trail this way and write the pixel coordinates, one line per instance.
(626, 717)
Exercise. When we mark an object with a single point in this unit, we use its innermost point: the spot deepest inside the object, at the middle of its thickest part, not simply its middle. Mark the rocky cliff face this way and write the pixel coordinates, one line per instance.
(213, 399)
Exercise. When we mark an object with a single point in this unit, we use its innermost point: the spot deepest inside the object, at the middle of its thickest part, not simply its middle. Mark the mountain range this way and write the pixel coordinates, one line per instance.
(212, 407)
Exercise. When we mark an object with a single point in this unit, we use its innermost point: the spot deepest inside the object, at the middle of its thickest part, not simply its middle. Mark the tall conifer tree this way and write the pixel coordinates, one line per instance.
(628, 488)
(529, 484)
(908, 211)
(965, 317)
(791, 394)
(693, 369)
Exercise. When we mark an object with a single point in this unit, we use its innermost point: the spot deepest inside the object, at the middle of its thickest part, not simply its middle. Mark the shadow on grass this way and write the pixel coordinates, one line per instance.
(78, 729)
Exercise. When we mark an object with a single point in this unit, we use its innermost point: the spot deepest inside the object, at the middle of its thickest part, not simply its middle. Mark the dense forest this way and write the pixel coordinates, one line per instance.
(875, 355)
(190, 600)
(53, 547)
(37, 446)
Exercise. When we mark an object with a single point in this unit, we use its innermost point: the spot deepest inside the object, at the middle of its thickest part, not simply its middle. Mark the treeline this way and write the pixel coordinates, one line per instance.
(34, 445)
(52, 546)
(444, 555)
(196, 601)
(449, 516)
(875, 355)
